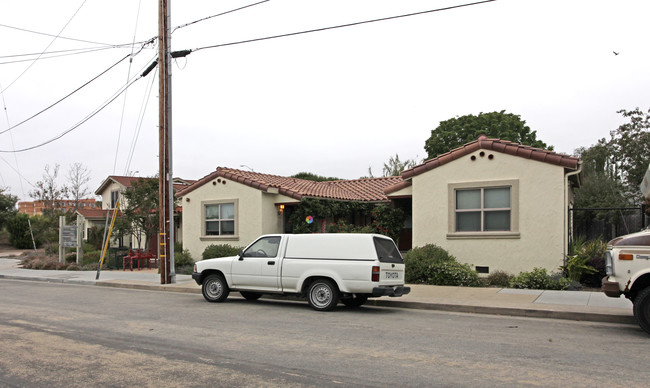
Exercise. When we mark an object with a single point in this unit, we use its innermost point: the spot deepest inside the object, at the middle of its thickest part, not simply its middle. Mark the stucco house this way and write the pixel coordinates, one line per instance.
(109, 191)
(493, 204)
(234, 207)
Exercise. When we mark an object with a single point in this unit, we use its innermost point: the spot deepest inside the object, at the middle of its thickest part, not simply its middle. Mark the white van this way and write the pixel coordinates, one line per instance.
(325, 268)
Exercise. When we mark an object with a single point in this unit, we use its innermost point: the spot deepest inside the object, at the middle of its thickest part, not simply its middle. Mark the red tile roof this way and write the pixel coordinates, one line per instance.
(369, 189)
(128, 181)
(92, 213)
(504, 146)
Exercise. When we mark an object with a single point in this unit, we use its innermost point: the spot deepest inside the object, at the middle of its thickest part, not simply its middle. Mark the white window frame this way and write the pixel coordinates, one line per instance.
(204, 235)
(452, 188)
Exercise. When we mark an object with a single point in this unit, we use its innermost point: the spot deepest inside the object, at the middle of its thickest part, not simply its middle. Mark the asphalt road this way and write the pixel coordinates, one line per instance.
(73, 335)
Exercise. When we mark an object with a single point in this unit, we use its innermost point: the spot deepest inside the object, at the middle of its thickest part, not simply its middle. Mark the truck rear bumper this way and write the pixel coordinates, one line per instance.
(611, 289)
(391, 291)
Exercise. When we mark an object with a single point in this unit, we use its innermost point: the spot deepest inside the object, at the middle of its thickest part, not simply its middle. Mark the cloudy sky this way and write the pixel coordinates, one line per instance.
(333, 103)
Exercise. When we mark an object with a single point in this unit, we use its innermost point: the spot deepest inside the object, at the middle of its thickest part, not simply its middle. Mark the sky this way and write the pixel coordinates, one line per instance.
(334, 102)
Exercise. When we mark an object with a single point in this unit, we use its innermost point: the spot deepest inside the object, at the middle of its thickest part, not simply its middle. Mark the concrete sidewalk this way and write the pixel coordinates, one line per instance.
(572, 305)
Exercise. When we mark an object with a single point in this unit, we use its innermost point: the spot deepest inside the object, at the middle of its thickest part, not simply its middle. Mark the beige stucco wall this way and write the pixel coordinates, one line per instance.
(255, 214)
(540, 241)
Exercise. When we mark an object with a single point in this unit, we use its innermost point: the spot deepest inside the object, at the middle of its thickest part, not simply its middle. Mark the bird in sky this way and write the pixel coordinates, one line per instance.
(615, 53)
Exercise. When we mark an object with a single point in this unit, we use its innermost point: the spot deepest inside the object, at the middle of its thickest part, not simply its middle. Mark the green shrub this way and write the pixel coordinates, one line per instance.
(498, 279)
(586, 263)
(419, 259)
(183, 259)
(178, 246)
(91, 257)
(70, 258)
(220, 250)
(539, 279)
(433, 265)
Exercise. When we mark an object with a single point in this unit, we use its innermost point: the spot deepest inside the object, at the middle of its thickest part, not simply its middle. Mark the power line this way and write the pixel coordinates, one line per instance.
(63, 53)
(342, 25)
(84, 120)
(136, 134)
(48, 46)
(57, 36)
(219, 14)
(68, 95)
(128, 75)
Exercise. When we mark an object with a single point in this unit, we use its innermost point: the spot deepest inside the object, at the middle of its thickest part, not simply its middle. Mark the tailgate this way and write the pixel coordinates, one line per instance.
(391, 264)
(391, 274)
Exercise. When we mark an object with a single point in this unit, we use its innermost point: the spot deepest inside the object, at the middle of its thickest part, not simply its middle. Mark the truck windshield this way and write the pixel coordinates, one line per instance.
(387, 252)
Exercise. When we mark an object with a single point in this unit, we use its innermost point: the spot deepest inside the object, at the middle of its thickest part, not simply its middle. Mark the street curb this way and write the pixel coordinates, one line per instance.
(510, 311)
(459, 308)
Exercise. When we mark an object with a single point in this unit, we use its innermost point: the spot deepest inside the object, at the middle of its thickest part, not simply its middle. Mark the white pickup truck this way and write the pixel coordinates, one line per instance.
(326, 268)
(627, 262)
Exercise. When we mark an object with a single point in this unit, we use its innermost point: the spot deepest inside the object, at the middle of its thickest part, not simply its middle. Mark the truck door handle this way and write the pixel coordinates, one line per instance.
(270, 262)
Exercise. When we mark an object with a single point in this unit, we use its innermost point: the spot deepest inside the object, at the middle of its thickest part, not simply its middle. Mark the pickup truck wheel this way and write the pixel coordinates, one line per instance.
(250, 295)
(323, 295)
(642, 309)
(357, 301)
(215, 289)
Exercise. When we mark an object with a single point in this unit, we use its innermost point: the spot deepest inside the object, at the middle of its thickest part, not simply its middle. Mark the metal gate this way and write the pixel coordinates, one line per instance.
(606, 223)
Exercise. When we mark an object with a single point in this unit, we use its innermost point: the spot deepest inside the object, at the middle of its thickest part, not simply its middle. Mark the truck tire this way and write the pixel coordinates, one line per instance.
(357, 301)
(215, 289)
(642, 309)
(250, 295)
(323, 295)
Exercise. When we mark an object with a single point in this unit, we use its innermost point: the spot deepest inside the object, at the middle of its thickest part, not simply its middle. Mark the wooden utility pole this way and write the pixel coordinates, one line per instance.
(165, 188)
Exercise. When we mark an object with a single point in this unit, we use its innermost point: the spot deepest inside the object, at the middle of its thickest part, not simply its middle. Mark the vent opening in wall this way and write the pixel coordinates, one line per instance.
(482, 269)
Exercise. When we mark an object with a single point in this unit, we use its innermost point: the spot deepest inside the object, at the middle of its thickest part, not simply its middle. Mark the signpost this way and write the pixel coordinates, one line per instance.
(69, 237)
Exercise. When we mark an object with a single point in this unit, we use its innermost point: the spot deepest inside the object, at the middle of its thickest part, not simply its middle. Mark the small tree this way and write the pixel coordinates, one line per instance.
(78, 178)
(50, 192)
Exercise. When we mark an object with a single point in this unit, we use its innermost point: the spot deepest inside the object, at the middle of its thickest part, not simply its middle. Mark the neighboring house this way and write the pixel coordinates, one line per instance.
(493, 204)
(34, 208)
(110, 190)
(235, 207)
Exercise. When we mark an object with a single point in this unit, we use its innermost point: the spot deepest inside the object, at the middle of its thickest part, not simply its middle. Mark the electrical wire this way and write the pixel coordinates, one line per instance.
(128, 75)
(219, 14)
(136, 134)
(58, 36)
(342, 25)
(84, 120)
(48, 46)
(68, 95)
(64, 53)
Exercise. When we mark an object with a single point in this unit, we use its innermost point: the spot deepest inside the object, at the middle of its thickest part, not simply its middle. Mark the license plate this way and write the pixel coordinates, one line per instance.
(392, 275)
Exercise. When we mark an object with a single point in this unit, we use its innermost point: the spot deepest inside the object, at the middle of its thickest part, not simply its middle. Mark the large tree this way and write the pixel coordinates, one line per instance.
(631, 148)
(457, 131)
(613, 169)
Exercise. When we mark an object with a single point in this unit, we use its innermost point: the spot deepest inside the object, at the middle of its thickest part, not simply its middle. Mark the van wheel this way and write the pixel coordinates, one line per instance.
(250, 295)
(323, 295)
(215, 289)
(356, 301)
(642, 309)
